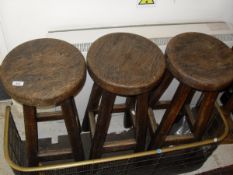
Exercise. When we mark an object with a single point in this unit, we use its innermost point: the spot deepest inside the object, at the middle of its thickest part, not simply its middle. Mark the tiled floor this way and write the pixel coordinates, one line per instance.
(220, 158)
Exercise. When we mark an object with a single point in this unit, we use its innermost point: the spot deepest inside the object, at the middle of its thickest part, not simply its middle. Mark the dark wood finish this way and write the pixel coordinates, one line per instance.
(190, 97)
(31, 134)
(179, 139)
(73, 128)
(119, 145)
(130, 104)
(125, 64)
(92, 105)
(163, 104)
(158, 91)
(141, 121)
(200, 61)
(170, 116)
(49, 116)
(117, 108)
(102, 124)
(229, 138)
(53, 154)
(190, 116)
(228, 107)
(52, 70)
(204, 113)
(75, 110)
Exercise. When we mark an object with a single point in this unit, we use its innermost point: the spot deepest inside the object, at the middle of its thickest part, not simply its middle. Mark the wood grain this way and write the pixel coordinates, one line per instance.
(73, 128)
(102, 125)
(200, 61)
(125, 64)
(204, 113)
(170, 116)
(31, 134)
(52, 70)
(93, 103)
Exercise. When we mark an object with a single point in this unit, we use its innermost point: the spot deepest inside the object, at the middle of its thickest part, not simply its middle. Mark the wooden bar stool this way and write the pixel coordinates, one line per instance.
(200, 63)
(127, 65)
(46, 72)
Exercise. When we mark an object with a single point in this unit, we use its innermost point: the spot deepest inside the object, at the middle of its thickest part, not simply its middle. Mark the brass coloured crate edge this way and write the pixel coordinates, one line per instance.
(115, 158)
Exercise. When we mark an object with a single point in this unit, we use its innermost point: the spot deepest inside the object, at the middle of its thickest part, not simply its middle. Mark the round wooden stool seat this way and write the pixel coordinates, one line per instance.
(200, 61)
(125, 64)
(43, 72)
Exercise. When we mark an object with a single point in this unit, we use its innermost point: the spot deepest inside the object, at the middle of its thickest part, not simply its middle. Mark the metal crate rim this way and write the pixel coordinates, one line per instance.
(14, 166)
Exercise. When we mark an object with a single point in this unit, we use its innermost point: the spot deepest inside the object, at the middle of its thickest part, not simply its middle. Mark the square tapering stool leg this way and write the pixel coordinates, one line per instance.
(170, 116)
(73, 128)
(92, 105)
(102, 124)
(31, 133)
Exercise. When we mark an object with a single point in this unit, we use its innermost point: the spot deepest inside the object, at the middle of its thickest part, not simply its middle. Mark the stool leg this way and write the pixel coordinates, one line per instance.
(92, 105)
(141, 121)
(102, 125)
(73, 128)
(158, 92)
(170, 116)
(76, 111)
(204, 113)
(228, 107)
(31, 133)
(130, 102)
(187, 109)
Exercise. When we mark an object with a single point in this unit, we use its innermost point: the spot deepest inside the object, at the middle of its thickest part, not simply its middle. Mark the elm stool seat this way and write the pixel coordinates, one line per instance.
(200, 63)
(121, 64)
(46, 72)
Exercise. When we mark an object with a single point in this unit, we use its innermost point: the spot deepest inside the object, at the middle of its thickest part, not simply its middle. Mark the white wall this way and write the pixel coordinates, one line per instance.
(27, 19)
